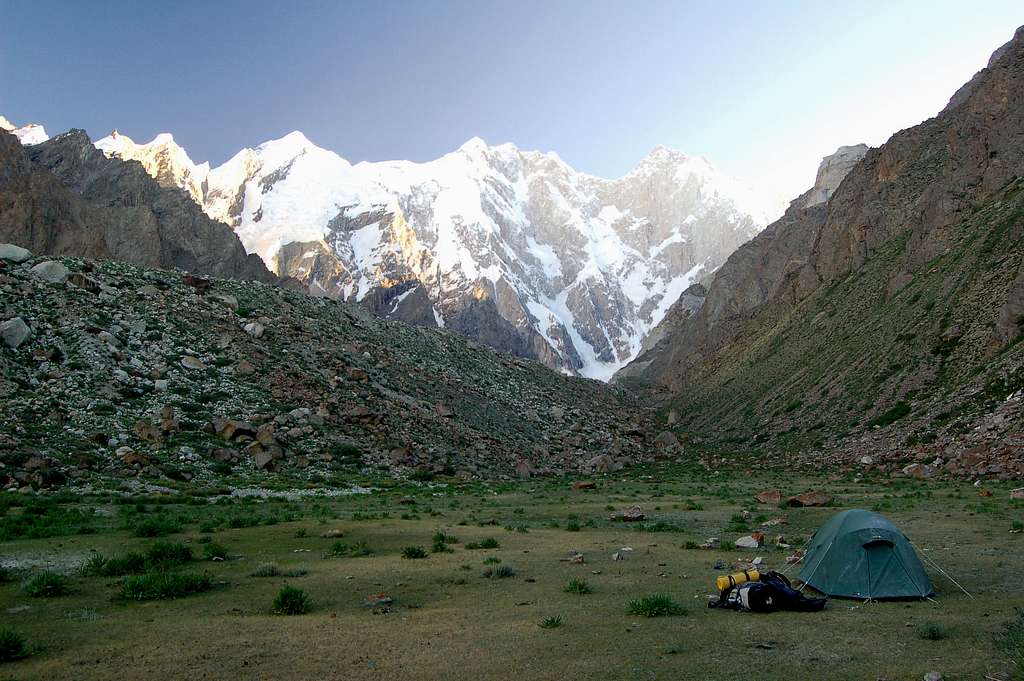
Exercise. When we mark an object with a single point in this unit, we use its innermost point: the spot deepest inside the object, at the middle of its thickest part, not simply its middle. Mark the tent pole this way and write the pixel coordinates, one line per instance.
(829, 548)
(944, 573)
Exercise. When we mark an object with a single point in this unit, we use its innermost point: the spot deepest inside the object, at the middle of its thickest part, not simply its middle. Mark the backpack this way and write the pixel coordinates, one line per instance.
(771, 592)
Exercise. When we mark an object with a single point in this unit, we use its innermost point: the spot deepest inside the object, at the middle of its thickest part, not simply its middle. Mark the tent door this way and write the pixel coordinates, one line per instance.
(886, 572)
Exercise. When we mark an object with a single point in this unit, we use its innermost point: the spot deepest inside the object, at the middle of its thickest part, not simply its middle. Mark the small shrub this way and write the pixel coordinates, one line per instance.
(47, 585)
(301, 533)
(656, 606)
(441, 547)
(157, 526)
(164, 554)
(215, 551)
(444, 538)
(551, 622)
(357, 550)
(932, 631)
(500, 572)
(488, 543)
(572, 526)
(492, 560)
(6, 575)
(292, 601)
(163, 585)
(12, 645)
(272, 570)
(414, 552)
(690, 545)
(577, 586)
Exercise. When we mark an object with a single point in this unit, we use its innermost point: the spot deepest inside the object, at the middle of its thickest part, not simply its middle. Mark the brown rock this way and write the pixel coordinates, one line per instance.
(265, 435)
(524, 469)
(134, 459)
(147, 431)
(1017, 494)
(920, 471)
(245, 368)
(357, 374)
(584, 484)
(198, 283)
(811, 499)
(333, 534)
(263, 460)
(771, 497)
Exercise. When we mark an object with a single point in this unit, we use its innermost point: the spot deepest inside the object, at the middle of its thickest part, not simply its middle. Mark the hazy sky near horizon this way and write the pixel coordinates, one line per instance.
(763, 90)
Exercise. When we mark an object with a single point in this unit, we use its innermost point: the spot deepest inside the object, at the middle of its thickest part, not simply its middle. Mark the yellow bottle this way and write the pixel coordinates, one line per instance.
(726, 581)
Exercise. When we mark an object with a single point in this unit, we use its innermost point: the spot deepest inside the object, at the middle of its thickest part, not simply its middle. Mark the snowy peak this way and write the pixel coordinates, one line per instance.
(28, 134)
(514, 248)
(163, 158)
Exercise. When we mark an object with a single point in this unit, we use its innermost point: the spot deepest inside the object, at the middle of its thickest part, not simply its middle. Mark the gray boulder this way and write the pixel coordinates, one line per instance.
(13, 253)
(14, 332)
(51, 271)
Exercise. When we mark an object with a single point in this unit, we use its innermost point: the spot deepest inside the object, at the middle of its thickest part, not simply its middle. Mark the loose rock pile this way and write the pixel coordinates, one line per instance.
(111, 371)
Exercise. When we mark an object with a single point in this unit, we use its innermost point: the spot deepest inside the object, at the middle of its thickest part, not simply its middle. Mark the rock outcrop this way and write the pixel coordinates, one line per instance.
(65, 197)
(832, 171)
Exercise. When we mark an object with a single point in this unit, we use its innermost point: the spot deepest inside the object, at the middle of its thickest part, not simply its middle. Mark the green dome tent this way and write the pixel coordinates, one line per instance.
(860, 554)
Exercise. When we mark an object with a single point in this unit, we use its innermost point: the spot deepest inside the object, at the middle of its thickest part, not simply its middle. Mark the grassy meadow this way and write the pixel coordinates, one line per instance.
(474, 581)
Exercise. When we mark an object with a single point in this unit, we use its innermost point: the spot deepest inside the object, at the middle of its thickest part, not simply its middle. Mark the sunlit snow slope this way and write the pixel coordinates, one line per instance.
(513, 248)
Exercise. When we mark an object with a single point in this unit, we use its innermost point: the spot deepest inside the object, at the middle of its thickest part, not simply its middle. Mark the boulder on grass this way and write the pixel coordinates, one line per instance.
(810, 499)
(771, 496)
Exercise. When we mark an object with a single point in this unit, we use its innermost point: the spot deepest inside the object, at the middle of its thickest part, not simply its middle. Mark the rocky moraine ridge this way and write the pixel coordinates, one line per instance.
(113, 372)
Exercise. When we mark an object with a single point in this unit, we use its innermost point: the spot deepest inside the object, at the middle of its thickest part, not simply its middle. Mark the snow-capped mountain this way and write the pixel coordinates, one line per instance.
(163, 159)
(27, 134)
(513, 248)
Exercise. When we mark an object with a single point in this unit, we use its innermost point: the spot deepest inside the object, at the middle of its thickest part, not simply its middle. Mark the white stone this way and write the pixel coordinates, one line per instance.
(51, 271)
(254, 329)
(13, 253)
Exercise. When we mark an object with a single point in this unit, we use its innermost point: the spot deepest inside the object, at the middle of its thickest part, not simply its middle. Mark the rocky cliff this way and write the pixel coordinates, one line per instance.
(888, 315)
(63, 196)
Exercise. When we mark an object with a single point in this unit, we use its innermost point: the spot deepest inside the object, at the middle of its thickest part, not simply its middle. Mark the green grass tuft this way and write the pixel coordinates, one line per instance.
(656, 606)
(164, 585)
(578, 586)
(414, 552)
(12, 645)
(292, 601)
(47, 585)
(552, 622)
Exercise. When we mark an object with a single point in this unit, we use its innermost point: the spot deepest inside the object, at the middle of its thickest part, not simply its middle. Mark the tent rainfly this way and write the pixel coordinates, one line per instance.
(860, 554)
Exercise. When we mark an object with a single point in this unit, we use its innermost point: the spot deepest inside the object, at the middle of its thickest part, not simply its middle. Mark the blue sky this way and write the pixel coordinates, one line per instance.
(762, 89)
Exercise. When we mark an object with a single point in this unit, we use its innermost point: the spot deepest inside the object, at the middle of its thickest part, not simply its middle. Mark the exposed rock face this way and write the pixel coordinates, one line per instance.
(832, 171)
(64, 197)
(513, 248)
(896, 304)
